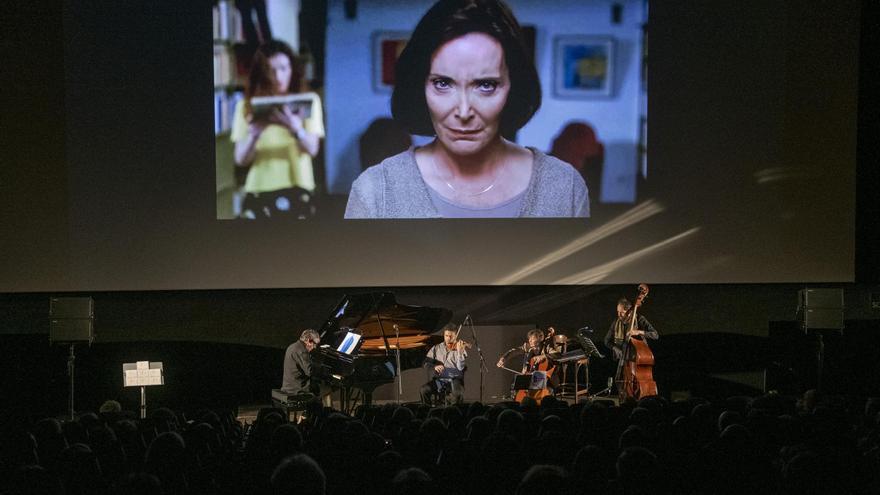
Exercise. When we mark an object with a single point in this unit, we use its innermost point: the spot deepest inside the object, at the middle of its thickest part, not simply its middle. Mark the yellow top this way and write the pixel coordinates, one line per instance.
(279, 162)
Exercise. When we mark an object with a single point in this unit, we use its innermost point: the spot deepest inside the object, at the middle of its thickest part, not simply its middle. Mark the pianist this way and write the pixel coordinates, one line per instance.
(298, 367)
(446, 364)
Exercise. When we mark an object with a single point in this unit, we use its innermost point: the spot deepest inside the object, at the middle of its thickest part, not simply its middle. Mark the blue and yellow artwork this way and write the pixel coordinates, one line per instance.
(583, 66)
(586, 67)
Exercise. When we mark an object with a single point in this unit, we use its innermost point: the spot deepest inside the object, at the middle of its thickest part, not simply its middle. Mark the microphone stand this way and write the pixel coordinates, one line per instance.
(399, 376)
(71, 366)
(479, 352)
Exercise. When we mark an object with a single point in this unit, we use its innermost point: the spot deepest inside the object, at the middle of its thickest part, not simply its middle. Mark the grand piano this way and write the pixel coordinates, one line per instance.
(384, 326)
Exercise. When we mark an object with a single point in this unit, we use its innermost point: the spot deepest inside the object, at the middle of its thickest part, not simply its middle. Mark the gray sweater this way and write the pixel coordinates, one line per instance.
(395, 189)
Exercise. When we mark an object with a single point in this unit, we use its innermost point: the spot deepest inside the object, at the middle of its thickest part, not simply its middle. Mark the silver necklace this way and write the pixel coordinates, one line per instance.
(456, 191)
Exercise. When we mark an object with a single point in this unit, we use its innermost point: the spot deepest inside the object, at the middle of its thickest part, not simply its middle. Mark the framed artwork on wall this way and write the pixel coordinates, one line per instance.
(583, 66)
(386, 46)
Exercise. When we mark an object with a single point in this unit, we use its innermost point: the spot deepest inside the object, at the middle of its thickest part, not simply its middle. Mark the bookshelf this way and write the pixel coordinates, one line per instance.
(228, 82)
(228, 91)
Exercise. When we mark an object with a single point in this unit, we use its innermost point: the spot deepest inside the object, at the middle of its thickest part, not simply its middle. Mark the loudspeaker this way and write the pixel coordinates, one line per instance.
(71, 330)
(71, 320)
(71, 307)
(821, 298)
(822, 319)
(820, 309)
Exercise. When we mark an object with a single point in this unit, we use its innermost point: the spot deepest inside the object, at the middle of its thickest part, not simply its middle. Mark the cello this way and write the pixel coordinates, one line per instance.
(541, 373)
(634, 376)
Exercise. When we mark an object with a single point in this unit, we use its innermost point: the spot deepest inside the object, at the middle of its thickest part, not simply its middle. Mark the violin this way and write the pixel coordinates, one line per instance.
(459, 344)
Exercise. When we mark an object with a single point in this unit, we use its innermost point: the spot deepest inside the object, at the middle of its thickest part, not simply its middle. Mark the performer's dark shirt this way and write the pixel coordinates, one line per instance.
(297, 369)
(614, 337)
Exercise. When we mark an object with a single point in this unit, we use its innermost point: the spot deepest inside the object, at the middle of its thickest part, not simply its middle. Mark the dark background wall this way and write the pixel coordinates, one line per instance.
(227, 346)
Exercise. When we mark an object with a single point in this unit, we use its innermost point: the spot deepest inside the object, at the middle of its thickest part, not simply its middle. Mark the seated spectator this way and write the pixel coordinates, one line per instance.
(166, 459)
(50, 441)
(35, 480)
(286, 441)
(79, 471)
(544, 480)
(137, 484)
(412, 481)
(300, 475)
(638, 472)
(590, 470)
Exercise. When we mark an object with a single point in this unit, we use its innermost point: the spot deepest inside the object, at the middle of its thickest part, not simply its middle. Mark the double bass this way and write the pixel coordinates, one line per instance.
(635, 378)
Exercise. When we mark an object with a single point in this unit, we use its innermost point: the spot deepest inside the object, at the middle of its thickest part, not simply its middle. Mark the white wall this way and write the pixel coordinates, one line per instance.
(351, 102)
(284, 20)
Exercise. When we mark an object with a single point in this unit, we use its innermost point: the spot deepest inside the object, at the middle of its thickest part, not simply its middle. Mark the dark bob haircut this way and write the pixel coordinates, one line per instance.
(444, 22)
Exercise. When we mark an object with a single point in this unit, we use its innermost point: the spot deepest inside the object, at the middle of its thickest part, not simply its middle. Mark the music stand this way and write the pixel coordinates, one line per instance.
(589, 350)
(143, 374)
(530, 381)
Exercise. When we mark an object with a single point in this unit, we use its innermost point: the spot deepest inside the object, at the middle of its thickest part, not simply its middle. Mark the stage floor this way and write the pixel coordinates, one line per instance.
(247, 413)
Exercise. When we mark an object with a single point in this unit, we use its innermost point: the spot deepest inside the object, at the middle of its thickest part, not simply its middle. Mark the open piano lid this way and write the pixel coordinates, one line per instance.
(374, 315)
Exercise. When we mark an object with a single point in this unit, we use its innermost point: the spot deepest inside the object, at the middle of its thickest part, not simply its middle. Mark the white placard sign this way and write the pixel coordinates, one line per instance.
(142, 374)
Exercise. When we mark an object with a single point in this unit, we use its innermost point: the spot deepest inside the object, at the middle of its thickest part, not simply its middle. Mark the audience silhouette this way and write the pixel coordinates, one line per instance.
(763, 445)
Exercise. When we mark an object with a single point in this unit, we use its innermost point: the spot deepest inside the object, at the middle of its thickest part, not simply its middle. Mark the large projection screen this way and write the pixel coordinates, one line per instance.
(743, 169)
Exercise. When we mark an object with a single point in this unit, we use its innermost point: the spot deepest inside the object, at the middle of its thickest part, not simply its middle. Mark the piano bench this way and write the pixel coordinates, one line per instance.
(292, 403)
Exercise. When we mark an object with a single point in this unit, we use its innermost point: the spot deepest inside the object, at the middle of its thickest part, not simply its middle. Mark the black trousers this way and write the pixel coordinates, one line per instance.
(438, 388)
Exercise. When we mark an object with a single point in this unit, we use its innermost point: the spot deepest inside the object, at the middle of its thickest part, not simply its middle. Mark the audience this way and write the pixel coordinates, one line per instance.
(298, 475)
(763, 445)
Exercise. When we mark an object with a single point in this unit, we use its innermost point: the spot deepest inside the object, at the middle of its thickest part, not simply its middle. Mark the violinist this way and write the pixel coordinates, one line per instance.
(445, 363)
(617, 334)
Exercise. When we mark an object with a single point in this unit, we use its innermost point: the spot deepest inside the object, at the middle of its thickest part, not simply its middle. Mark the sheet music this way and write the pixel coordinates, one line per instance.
(349, 343)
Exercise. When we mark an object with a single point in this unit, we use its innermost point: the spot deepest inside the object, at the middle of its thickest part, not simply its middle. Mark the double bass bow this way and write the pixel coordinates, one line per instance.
(634, 376)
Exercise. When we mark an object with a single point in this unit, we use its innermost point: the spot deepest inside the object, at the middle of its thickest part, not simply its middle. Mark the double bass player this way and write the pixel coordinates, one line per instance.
(627, 339)
(616, 336)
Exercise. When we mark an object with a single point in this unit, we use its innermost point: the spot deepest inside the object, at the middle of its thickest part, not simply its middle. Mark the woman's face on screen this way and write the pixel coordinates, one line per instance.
(281, 71)
(466, 90)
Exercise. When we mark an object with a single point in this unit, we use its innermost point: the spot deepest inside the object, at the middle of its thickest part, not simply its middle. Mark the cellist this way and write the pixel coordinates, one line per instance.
(539, 348)
(616, 336)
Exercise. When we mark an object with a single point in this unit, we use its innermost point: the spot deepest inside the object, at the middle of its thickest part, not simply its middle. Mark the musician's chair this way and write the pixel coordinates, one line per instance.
(442, 391)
